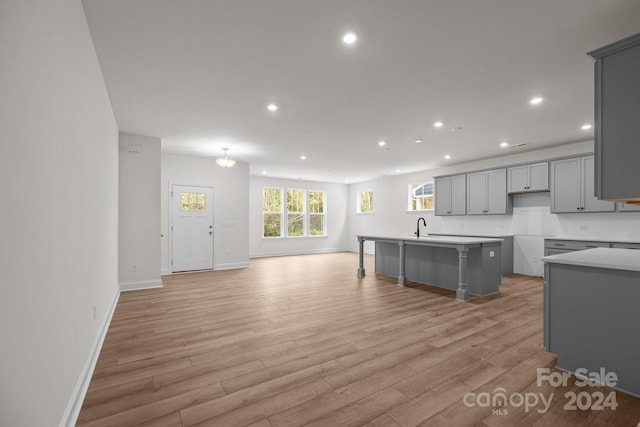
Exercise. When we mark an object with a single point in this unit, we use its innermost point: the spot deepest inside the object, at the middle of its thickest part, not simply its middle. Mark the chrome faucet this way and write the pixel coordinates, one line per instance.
(417, 233)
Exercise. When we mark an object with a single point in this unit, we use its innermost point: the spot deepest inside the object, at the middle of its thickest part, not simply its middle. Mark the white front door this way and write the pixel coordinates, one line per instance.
(192, 228)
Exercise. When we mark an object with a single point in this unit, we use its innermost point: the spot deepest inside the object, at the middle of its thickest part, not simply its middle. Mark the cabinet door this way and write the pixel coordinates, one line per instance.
(497, 191)
(458, 195)
(566, 185)
(618, 128)
(442, 196)
(477, 193)
(518, 179)
(590, 202)
(538, 176)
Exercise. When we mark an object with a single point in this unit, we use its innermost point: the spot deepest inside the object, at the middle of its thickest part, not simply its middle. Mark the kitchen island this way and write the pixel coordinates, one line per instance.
(467, 265)
(591, 312)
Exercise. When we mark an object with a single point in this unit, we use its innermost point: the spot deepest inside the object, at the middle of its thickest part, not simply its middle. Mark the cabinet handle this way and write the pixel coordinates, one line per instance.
(592, 246)
(559, 244)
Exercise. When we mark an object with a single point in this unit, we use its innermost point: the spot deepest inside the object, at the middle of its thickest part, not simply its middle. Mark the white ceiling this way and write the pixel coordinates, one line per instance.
(200, 73)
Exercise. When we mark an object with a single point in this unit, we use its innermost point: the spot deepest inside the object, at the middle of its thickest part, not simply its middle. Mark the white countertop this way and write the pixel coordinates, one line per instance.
(490, 235)
(431, 239)
(613, 258)
(593, 239)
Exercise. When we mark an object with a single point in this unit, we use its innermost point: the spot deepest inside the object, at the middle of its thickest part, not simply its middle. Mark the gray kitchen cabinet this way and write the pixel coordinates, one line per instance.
(623, 245)
(450, 195)
(572, 187)
(617, 128)
(626, 207)
(556, 246)
(487, 192)
(528, 178)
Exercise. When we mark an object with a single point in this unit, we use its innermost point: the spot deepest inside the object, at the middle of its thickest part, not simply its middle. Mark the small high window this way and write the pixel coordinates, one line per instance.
(365, 202)
(421, 197)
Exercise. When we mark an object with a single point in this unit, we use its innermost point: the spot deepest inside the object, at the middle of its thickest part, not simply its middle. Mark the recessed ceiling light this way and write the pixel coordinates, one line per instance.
(438, 124)
(303, 157)
(447, 157)
(536, 100)
(397, 170)
(264, 172)
(349, 38)
(585, 127)
(382, 143)
(272, 107)
(418, 141)
(504, 144)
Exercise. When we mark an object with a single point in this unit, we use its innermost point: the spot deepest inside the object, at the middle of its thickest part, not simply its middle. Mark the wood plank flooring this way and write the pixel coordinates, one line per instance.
(302, 341)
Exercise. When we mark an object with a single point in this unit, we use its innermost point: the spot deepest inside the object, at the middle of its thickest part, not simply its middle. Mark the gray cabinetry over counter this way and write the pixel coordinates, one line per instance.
(451, 195)
(572, 187)
(487, 192)
(528, 178)
(617, 128)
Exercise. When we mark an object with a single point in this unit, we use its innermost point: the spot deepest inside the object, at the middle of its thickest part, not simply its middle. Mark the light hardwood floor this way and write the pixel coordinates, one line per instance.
(301, 341)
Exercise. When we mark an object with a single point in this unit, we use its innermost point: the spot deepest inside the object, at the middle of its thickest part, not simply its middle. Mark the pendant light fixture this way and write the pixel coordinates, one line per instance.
(225, 162)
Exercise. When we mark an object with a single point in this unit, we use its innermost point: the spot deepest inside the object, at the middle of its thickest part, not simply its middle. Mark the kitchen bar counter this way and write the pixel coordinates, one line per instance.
(611, 258)
(591, 312)
(468, 265)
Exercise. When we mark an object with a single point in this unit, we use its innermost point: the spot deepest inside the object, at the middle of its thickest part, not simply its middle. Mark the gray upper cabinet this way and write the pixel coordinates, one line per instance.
(528, 178)
(572, 187)
(487, 192)
(450, 195)
(617, 124)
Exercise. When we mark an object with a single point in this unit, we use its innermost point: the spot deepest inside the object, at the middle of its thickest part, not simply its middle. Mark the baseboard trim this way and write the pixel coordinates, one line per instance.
(232, 266)
(366, 251)
(165, 271)
(297, 252)
(71, 413)
(137, 286)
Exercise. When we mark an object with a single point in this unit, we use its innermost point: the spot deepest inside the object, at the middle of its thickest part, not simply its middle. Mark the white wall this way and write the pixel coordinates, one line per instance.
(59, 209)
(530, 222)
(139, 230)
(336, 207)
(230, 211)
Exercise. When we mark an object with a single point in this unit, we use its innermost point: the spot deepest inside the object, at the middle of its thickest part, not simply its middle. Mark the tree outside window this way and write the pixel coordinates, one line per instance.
(272, 212)
(317, 217)
(295, 213)
(365, 201)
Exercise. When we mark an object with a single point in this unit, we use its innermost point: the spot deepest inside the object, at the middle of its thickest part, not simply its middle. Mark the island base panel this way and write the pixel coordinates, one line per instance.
(438, 266)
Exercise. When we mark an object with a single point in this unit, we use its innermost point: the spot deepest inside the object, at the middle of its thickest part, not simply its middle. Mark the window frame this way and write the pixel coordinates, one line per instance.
(359, 202)
(303, 213)
(323, 214)
(280, 213)
(411, 197)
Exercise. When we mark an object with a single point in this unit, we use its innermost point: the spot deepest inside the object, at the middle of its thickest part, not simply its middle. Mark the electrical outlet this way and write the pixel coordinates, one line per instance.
(492, 254)
(94, 312)
(584, 227)
(134, 267)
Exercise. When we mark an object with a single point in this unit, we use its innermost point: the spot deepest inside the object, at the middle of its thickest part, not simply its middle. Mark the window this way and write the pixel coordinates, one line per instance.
(421, 197)
(365, 201)
(317, 216)
(305, 212)
(272, 212)
(295, 213)
(193, 201)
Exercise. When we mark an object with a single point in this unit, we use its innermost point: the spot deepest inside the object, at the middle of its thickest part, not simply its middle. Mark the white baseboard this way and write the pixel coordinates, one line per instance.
(297, 252)
(136, 286)
(70, 416)
(231, 266)
(165, 271)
